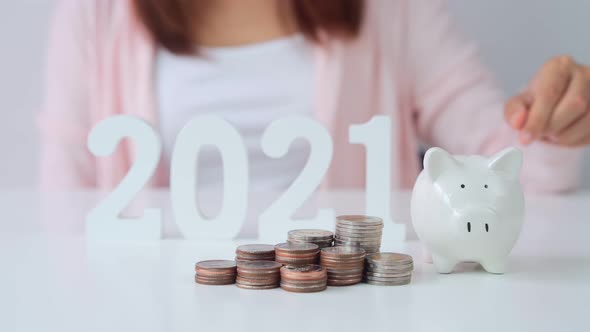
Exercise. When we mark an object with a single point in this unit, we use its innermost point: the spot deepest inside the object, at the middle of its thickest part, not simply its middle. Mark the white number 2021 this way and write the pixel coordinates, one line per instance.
(104, 220)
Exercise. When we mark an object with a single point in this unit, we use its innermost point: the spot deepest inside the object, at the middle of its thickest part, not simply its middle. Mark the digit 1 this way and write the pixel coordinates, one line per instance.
(375, 135)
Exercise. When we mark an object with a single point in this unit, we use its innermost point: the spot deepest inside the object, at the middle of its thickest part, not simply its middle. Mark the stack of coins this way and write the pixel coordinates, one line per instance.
(258, 274)
(345, 265)
(304, 279)
(359, 231)
(297, 253)
(316, 236)
(255, 252)
(389, 269)
(215, 272)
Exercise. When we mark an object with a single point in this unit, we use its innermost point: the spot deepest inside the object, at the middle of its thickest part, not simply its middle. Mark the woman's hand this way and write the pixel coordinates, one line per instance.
(556, 106)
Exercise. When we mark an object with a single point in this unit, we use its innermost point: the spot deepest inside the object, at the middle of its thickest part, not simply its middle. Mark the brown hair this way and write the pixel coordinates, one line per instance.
(169, 21)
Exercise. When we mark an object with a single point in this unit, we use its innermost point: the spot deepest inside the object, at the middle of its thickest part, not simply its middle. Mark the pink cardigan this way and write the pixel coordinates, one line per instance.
(409, 62)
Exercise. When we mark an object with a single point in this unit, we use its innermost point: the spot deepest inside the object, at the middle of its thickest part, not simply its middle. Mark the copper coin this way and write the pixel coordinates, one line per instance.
(313, 256)
(306, 255)
(296, 248)
(202, 281)
(296, 262)
(343, 252)
(345, 270)
(259, 265)
(218, 277)
(332, 282)
(248, 281)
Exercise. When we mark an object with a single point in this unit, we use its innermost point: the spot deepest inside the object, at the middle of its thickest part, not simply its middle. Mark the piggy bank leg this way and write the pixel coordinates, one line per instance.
(443, 264)
(496, 265)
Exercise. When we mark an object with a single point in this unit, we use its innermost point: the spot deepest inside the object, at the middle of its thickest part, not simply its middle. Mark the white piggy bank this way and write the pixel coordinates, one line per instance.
(469, 208)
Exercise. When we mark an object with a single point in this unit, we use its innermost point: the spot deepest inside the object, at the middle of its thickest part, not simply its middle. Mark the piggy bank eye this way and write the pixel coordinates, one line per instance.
(462, 186)
(485, 186)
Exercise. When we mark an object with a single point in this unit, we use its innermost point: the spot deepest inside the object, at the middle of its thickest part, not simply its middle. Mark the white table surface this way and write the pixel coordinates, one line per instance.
(58, 281)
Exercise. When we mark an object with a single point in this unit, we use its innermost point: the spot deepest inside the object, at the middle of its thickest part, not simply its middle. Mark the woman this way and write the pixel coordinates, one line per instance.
(340, 61)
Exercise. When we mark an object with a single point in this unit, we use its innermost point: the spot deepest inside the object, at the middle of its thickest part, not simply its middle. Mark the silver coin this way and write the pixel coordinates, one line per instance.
(388, 275)
(358, 237)
(358, 243)
(389, 270)
(215, 264)
(390, 258)
(367, 247)
(356, 219)
(380, 283)
(358, 228)
(258, 287)
(304, 283)
(369, 242)
(343, 252)
(387, 279)
(310, 234)
(318, 243)
(344, 271)
(256, 249)
(357, 234)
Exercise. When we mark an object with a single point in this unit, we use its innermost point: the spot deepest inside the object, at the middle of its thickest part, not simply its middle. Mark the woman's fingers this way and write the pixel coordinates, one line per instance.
(573, 106)
(547, 88)
(578, 134)
(516, 110)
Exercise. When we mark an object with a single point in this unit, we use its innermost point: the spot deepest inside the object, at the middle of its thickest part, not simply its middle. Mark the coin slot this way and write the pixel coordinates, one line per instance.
(469, 227)
(487, 228)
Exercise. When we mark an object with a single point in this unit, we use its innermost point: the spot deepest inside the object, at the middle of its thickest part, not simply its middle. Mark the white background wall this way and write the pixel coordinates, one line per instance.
(515, 38)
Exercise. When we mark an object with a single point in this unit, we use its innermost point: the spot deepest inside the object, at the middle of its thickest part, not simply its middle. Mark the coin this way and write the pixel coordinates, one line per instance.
(343, 252)
(305, 272)
(310, 234)
(256, 249)
(216, 265)
(304, 279)
(380, 283)
(258, 274)
(297, 253)
(257, 287)
(259, 266)
(359, 219)
(344, 282)
(388, 268)
(389, 275)
(254, 252)
(389, 258)
(300, 248)
(303, 289)
(214, 281)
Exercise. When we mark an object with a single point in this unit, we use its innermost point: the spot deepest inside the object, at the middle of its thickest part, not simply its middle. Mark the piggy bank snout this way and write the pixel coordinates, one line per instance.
(475, 220)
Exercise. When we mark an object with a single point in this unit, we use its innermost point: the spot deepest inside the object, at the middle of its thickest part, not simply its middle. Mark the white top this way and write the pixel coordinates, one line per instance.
(249, 86)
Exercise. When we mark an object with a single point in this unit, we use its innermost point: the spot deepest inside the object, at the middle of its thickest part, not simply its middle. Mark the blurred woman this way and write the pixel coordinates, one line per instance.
(338, 61)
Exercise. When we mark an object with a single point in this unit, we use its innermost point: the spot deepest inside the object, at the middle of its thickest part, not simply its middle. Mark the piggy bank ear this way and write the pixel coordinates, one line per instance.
(507, 162)
(437, 161)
